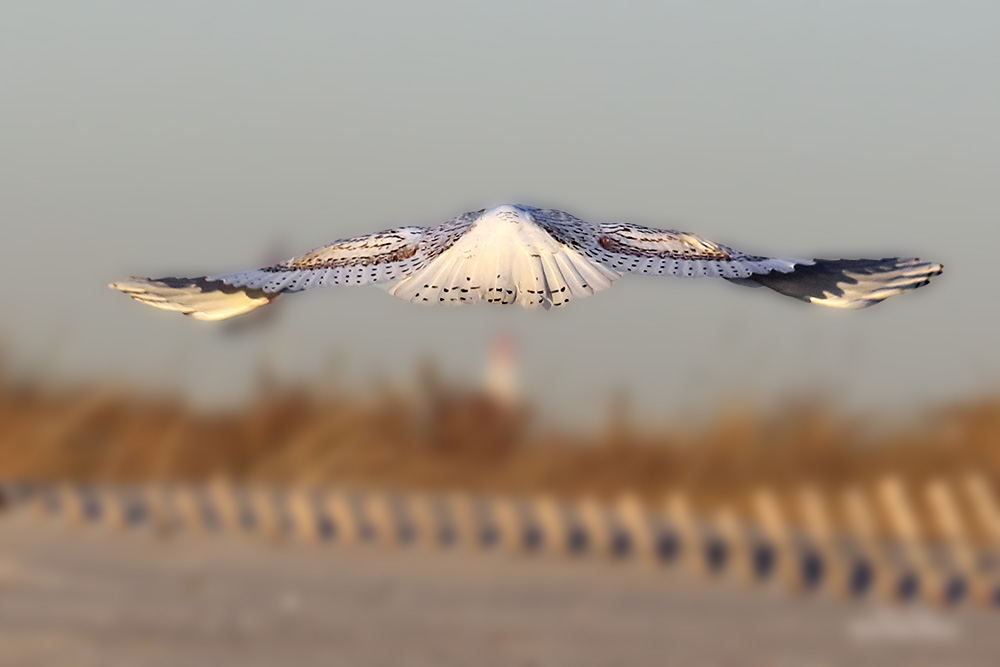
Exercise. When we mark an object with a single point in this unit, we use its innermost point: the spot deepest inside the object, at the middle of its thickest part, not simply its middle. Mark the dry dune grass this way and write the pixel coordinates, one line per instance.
(440, 438)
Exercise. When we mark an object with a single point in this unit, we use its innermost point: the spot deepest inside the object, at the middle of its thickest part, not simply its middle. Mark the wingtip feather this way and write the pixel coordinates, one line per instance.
(200, 298)
(852, 284)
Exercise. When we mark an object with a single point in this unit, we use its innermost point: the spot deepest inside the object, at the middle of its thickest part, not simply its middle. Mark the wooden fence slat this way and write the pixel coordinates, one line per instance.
(188, 507)
(424, 520)
(864, 529)
(509, 524)
(347, 530)
(267, 521)
(72, 505)
(734, 534)
(594, 521)
(953, 528)
(637, 523)
(464, 520)
(552, 523)
(987, 515)
(302, 512)
(380, 515)
(775, 526)
(158, 514)
(221, 496)
(820, 529)
(906, 528)
(692, 541)
(984, 506)
(113, 509)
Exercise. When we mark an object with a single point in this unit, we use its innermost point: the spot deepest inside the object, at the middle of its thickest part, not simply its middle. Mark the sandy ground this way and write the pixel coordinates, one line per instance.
(83, 596)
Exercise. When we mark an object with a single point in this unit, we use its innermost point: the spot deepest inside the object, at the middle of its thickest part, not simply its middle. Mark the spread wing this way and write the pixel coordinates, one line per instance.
(384, 257)
(840, 283)
(628, 248)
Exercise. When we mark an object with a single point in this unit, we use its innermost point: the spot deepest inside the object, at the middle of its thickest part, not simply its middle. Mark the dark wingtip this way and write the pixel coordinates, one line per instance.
(851, 283)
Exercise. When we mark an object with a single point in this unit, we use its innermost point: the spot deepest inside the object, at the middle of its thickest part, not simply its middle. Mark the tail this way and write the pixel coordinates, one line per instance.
(201, 298)
(848, 283)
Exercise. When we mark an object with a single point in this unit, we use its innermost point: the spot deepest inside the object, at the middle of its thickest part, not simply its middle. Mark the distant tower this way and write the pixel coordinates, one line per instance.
(500, 381)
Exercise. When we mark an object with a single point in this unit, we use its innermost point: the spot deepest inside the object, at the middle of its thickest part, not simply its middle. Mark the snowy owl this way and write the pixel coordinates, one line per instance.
(529, 256)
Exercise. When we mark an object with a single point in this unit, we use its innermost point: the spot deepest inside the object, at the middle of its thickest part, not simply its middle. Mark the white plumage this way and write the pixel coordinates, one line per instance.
(505, 257)
(529, 256)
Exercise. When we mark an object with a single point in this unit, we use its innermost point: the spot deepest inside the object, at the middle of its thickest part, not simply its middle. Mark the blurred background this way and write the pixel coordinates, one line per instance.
(191, 138)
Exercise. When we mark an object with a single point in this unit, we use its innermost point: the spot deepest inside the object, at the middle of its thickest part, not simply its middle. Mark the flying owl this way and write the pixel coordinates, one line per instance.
(534, 257)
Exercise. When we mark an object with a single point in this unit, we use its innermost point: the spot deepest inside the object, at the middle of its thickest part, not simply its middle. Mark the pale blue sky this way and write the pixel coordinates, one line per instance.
(189, 137)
